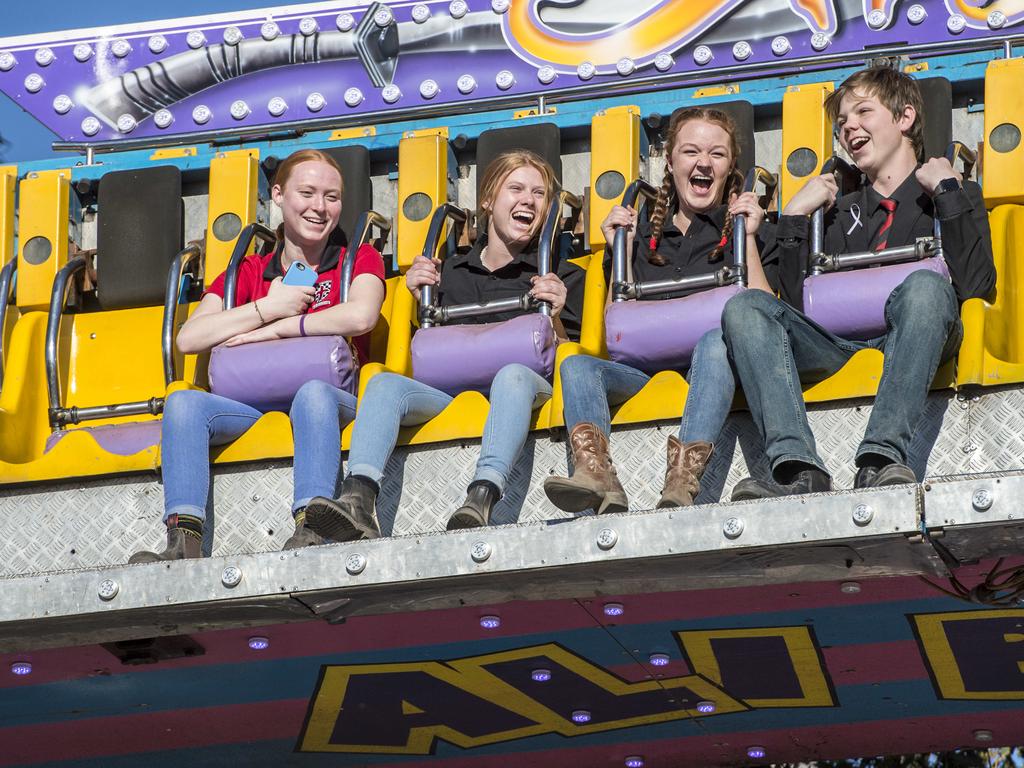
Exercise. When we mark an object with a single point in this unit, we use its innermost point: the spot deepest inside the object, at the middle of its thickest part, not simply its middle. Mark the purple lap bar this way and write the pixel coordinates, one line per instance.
(120, 439)
(267, 374)
(851, 304)
(458, 358)
(661, 335)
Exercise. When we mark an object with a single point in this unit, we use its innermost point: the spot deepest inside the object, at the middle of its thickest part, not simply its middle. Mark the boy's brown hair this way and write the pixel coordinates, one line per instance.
(894, 89)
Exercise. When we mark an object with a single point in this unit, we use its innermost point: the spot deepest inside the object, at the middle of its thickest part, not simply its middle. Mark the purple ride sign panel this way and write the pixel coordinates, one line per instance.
(337, 61)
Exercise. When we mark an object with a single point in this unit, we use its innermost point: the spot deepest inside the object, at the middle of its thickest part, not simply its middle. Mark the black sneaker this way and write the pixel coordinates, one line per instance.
(890, 474)
(805, 481)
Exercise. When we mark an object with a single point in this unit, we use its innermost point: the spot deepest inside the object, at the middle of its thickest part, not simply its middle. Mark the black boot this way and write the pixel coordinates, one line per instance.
(350, 516)
(475, 511)
(303, 536)
(810, 480)
(876, 471)
(181, 545)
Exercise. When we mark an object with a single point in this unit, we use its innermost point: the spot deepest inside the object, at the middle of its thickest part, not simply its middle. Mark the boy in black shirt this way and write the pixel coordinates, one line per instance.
(775, 347)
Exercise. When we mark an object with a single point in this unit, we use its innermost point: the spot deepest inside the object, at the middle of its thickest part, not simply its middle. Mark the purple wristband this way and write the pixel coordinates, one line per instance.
(302, 326)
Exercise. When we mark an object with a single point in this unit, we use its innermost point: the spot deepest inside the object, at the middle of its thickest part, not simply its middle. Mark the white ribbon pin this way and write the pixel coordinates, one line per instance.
(855, 211)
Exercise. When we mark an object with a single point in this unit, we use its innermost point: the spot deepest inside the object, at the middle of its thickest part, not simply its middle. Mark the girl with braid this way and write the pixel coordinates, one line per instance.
(688, 234)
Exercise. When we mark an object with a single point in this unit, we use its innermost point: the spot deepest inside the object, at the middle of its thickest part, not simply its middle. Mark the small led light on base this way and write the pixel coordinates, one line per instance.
(7, 61)
(634, 761)
(742, 51)
(663, 62)
(982, 734)
(706, 707)
(277, 106)
(309, 26)
(581, 716)
(781, 45)
(163, 118)
(157, 44)
(500, 6)
(916, 13)
(195, 39)
(614, 609)
(44, 57)
(820, 41)
(120, 48)
(490, 622)
(850, 588)
(345, 22)
(429, 89)
(466, 84)
(876, 19)
(62, 104)
(504, 80)
(756, 752)
(315, 102)
(546, 74)
(586, 70)
(420, 13)
(239, 110)
(353, 97)
(383, 16)
(956, 24)
(625, 66)
(391, 94)
(996, 20)
(702, 54)
(233, 35)
(201, 114)
(126, 123)
(659, 659)
(90, 126)
(21, 668)
(259, 643)
(540, 675)
(34, 83)
(82, 52)
(458, 8)
(269, 30)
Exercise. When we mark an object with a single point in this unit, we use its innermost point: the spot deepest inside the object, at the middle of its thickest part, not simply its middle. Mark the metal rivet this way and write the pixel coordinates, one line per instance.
(733, 528)
(108, 589)
(607, 538)
(232, 576)
(982, 500)
(480, 551)
(863, 514)
(355, 563)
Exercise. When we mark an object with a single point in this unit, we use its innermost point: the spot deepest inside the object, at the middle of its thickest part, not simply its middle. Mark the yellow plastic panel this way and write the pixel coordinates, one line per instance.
(359, 132)
(8, 180)
(992, 352)
(43, 213)
(24, 425)
(234, 182)
(422, 170)
(614, 149)
(1003, 180)
(805, 128)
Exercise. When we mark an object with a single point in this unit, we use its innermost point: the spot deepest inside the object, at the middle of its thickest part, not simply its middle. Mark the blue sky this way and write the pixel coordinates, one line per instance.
(26, 138)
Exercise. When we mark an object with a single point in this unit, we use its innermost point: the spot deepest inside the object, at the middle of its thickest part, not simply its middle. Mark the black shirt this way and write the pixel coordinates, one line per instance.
(852, 223)
(687, 254)
(465, 280)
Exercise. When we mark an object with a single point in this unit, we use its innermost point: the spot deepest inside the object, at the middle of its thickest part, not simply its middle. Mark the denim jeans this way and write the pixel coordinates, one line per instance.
(776, 348)
(392, 401)
(193, 421)
(591, 386)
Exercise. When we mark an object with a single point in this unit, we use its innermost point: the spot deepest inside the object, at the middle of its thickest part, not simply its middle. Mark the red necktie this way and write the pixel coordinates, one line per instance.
(882, 237)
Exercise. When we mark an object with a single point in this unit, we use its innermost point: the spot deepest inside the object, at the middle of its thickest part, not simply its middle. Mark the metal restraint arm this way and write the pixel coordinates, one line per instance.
(549, 233)
(770, 182)
(59, 416)
(621, 290)
(8, 285)
(193, 252)
(428, 312)
(924, 247)
(363, 231)
(245, 239)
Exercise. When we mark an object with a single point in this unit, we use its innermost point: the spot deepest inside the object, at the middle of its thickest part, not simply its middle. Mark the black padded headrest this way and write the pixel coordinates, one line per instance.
(742, 113)
(140, 228)
(357, 197)
(937, 96)
(543, 139)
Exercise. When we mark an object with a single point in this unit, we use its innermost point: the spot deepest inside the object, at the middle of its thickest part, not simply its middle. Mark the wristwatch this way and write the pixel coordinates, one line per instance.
(946, 185)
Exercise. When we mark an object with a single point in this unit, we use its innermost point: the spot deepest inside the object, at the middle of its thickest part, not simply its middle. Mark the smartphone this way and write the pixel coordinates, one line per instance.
(300, 274)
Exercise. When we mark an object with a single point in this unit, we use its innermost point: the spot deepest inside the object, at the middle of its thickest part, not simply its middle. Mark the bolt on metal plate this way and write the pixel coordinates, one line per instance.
(480, 551)
(355, 563)
(108, 589)
(982, 500)
(733, 528)
(607, 538)
(863, 514)
(231, 577)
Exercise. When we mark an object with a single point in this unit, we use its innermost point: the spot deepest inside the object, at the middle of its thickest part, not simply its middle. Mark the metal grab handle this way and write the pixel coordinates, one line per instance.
(58, 297)
(956, 151)
(755, 175)
(184, 258)
(548, 234)
(364, 227)
(620, 289)
(8, 284)
(843, 172)
(238, 254)
(442, 214)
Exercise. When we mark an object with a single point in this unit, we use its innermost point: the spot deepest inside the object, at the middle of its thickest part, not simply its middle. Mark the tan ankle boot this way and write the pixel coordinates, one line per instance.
(686, 464)
(593, 484)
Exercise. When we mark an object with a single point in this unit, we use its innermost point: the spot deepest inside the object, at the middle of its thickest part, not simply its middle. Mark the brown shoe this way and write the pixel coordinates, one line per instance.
(686, 464)
(593, 483)
(181, 545)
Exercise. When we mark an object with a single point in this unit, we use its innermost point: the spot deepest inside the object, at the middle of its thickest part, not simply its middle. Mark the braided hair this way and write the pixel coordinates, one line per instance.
(668, 195)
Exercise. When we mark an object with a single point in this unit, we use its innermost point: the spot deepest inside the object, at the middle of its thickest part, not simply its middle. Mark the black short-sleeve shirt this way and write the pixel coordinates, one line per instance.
(465, 280)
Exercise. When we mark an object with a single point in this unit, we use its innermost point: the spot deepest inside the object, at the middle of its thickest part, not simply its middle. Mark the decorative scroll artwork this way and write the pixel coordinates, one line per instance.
(344, 61)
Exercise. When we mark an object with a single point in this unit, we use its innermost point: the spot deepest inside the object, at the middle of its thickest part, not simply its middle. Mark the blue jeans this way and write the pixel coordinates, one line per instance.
(392, 401)
(193, 421)
(591, 386)
(775, 349)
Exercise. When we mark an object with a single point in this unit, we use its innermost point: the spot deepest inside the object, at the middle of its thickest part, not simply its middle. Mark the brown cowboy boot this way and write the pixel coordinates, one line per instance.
(686, 464)
(593, 483)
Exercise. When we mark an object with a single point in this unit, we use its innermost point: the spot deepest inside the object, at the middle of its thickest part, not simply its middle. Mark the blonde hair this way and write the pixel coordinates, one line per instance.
(499, 169)
(290, 163)
(668, 194)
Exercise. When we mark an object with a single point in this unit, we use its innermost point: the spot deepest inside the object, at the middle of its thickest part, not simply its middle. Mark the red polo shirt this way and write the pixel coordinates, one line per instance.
(256, 272)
